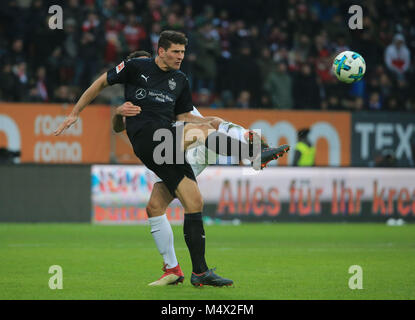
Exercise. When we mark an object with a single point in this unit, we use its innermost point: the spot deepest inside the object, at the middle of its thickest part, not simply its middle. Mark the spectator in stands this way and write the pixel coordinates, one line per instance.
(251, 38)
(334, 103)
(306, 91)
(22, 83)
(243, 101)
(301, 50)
(246, 75)
(375, 102)
(393, 104)
(358, 104)
(8, 84)
(397, 57)
(207, 50)
(91, 41)
(265, 62)
(39, 89)
(17, 53)
(116, 45)
(265, 102)
(385, 84)
(73, 11)
(173, 22)
(155, 35)
(65, 57)
(203, 98)
(64, 94)
(108, 9)
(279, 87)
(227, 100)
(134, 34)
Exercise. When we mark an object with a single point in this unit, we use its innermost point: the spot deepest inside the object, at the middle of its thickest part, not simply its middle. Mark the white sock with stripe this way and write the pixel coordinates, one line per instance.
(235, 132)
(163, 236)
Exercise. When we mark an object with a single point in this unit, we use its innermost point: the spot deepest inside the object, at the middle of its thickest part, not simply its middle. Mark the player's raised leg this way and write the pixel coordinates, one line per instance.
(237, 132)
(229, 139)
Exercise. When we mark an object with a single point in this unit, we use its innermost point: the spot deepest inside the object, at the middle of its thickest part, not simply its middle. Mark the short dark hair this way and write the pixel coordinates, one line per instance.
(169, 37)
(139, 53)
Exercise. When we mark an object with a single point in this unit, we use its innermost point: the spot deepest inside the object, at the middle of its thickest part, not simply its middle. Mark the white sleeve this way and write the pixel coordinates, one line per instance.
(196, 112)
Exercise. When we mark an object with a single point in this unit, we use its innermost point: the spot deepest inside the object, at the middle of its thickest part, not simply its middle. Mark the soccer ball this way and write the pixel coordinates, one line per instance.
(349, 66)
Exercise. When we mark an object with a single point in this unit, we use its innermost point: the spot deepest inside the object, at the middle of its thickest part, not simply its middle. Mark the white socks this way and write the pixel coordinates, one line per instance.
(163, 236)
(233, 130)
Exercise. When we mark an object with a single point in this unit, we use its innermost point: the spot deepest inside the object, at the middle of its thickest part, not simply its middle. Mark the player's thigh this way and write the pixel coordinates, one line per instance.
(195, 134)
(189, 195)
(160, 199)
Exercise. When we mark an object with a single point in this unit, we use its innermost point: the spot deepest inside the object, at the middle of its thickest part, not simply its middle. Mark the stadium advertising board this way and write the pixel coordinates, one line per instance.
(29, 128)
(120, 194)
(376, 134)
(330, 132)
(309, 194)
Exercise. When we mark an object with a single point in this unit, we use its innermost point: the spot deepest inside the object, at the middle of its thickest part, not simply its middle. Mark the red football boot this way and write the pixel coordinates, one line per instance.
(170, 276)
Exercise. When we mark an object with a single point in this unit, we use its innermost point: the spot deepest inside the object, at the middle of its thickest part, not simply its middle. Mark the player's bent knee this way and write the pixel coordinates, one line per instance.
(194, 203)
(197, 203)
(216, 122)
(153, 209)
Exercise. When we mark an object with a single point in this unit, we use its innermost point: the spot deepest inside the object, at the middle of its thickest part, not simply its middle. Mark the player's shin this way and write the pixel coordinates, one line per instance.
(163, 236)
(194, 236)
(231, 143)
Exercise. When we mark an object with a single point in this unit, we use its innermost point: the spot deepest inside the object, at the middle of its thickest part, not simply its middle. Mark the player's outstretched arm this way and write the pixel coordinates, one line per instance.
(127, 109)
(86, 98)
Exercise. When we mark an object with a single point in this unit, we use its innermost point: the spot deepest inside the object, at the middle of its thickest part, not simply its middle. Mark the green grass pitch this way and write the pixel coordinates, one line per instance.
(266, 261)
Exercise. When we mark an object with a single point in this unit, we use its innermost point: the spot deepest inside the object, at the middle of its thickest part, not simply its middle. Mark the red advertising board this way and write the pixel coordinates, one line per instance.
(29, 128)
(329, 130)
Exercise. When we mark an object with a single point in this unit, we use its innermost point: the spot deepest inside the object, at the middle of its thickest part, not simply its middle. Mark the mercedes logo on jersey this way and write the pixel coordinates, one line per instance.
(140, 94)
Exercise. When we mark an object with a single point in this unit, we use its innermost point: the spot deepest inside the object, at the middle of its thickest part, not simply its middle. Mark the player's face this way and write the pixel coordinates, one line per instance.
(173, 56)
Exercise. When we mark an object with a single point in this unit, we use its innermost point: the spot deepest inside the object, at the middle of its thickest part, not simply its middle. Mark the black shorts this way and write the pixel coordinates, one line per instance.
(175, 166)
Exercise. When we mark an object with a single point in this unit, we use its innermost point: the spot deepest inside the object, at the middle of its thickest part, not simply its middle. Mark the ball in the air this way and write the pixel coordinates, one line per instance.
(349, 66)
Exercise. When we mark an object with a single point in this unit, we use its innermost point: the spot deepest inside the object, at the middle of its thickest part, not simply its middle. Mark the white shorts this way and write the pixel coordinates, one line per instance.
(199, 159)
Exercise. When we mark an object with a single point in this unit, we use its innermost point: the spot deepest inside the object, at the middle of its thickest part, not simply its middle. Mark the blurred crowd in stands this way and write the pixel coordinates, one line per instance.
(274, 54)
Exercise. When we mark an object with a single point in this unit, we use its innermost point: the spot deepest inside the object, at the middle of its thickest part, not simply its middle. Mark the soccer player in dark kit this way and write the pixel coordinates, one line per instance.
(162, 92)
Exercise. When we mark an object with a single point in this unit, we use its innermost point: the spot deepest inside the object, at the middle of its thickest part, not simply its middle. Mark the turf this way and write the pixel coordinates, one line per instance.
(266, 261)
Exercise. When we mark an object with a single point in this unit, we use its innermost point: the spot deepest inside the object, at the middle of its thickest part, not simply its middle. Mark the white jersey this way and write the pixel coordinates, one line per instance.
(200, 157)
(196, 157)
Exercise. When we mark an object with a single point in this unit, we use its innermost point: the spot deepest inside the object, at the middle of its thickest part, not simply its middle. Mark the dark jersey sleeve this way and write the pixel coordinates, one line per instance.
(184, 102)
(119, 74)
